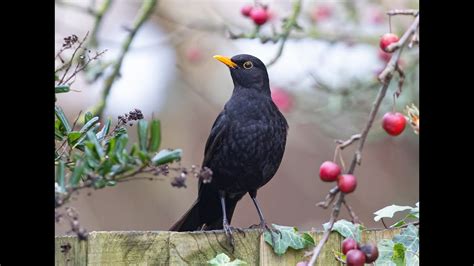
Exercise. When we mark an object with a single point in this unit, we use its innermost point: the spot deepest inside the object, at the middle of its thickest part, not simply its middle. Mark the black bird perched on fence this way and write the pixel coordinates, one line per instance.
(244, 149)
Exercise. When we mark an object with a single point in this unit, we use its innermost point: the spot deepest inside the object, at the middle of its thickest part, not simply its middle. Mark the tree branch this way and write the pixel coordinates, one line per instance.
(385, 77)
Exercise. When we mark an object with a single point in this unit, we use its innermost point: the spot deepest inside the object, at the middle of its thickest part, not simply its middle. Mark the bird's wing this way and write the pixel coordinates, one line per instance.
(215, 137)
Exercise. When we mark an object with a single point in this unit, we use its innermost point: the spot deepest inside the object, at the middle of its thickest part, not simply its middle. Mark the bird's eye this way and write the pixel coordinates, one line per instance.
(248, 65)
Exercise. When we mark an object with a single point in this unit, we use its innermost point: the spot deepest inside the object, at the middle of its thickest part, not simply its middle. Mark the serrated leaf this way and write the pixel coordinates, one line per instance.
(155, 136)
(223, 260)
(389, 211)
(398, 256)
(409, 238)
(77, 173)
(385, 247)
(288, 237)
(346, 229)
(166, 156)
(61, 89)
(60, 175)
(62, 118)
(142, 134)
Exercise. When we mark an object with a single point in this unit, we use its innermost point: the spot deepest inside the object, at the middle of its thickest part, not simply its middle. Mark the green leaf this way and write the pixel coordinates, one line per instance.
(409, 238)
(346, 229)
(155, 138)
(73, 136)
(77, 173)
(62, 118)
(223, 260)
(288, 237)
(61, 89)
(88, 116)
(111, 183)
(88, 125)
(385, 247)
(399, 254)
(166, 156)
(60, 176)
(105, 130)
(339, 255)
(143, 156)
(398, 224)
(98, 148)
(389, 211)
(142, 134)
(100, 183)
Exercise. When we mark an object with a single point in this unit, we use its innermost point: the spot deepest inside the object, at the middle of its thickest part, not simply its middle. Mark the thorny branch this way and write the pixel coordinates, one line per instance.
(385, 77)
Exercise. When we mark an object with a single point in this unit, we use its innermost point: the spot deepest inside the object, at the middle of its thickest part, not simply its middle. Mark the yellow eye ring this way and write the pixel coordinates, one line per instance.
(248, 65)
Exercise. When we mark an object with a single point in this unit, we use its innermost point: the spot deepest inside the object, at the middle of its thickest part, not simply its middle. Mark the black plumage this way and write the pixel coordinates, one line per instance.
(244, 149)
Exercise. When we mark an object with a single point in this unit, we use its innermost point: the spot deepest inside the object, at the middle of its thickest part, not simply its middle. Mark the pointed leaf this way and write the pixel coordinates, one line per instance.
(155, 138)
(142, 134)
(61, 89)
(105, 130)
(88, 116)
(77, 173)
(62, 117)
(93, 139)
(60, 175)
(166, 156)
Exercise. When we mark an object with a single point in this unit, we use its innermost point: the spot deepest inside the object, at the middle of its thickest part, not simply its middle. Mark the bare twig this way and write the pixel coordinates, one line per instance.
(343, 144)
(401, 80)
(290, 24)
(385, 77)
(69, 64)
(354, 217)
(410, 12)
(394, 46)
(329, 198)
(81, 66)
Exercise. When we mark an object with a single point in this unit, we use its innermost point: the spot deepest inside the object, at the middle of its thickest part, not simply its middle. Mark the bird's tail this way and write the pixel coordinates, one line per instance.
(205, 215)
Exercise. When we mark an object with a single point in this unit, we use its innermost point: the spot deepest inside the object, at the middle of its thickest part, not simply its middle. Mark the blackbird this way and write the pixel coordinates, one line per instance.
(244, 149)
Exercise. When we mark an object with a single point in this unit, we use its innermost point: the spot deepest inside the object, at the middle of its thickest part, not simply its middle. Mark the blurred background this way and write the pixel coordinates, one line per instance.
(324, 83)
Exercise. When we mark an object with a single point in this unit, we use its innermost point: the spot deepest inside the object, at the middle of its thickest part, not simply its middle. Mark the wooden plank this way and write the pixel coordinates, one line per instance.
(128, 248)
(70, 251)
(190, 248)
(291, 257)
(196, 248)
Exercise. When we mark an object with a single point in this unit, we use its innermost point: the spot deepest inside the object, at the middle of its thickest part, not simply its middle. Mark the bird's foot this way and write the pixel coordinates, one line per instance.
(263, 226)
(230, 237)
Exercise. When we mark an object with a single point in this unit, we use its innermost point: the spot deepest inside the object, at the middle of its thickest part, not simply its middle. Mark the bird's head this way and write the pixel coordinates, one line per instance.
(247, 71)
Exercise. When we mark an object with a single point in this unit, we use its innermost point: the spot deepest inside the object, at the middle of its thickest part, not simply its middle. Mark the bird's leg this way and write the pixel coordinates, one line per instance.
(225, 224)
(263, 225)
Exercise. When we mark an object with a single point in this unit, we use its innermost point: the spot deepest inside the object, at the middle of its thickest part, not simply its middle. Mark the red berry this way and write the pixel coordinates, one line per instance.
(386, 40)
(349, 244)
(355, 257)
(322, 13)
(259, 15)
(246, 10)
(329, 171)
(394, 123)
(346, 183)
(371, 252)
(282, 99)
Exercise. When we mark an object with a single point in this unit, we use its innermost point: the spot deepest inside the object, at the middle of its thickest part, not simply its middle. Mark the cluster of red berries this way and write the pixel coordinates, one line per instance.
(357, 255)
(330, 172)
(259, 14)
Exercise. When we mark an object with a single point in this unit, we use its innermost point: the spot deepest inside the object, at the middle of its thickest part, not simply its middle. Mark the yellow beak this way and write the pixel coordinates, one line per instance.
(226, 60)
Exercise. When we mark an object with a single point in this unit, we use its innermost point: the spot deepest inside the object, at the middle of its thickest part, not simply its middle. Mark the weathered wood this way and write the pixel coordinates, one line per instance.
(70, 251)
(189, 248)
